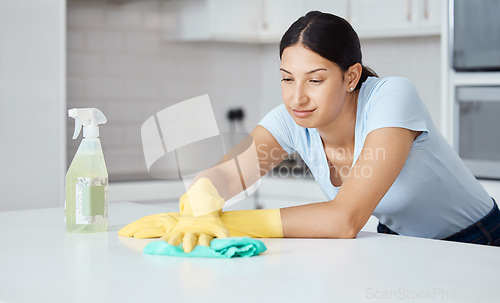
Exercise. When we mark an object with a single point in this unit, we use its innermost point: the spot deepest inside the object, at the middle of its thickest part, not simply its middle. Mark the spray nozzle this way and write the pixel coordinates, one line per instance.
(87, 117)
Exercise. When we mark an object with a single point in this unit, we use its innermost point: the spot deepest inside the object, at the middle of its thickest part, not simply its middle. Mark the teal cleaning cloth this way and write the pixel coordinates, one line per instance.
(219, 248)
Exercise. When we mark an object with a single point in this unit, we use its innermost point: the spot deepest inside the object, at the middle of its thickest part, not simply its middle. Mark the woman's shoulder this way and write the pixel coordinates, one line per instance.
(280, 120)
(279, 117)
(397, 82)
(374, 84)
(281, 125)
(398, 88)
(279, 114)
(279, 110)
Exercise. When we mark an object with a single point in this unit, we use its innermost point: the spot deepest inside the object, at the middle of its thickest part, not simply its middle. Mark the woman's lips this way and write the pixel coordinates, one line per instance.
(302, 113)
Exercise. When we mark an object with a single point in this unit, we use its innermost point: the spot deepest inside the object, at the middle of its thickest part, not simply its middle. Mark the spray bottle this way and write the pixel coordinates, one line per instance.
(86, 207)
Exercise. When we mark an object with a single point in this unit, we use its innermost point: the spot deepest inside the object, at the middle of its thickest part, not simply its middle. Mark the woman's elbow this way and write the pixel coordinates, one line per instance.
(348, 233)
(343, 230)
(349, 224)
(352, 225)
(341, 234)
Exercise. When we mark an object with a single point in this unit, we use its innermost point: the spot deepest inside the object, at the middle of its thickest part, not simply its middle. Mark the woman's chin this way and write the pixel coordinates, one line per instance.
(306, 123)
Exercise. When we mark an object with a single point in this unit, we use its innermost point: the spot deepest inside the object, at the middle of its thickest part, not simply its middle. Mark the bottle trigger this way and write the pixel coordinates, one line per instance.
(78, 128)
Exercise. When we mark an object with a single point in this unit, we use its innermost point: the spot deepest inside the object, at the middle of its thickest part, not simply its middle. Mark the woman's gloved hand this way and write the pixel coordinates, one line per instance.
(199, 220)
(260, 223)
(153, 226)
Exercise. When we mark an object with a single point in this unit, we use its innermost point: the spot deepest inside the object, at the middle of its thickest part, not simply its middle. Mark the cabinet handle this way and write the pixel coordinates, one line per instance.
(426, 9)
(409, 13)
(264, 24)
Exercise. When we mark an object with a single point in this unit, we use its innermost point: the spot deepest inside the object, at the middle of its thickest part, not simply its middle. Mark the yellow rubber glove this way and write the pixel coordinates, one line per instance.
(153, 226)
(200, 221)
(260, 223)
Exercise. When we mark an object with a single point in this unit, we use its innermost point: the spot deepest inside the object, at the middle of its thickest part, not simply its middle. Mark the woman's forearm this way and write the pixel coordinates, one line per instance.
(219, 178)
(225, 178)
(240, 167)
(317, 220)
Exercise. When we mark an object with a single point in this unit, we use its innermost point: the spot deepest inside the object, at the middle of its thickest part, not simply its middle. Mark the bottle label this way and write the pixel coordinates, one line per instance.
(91, 200)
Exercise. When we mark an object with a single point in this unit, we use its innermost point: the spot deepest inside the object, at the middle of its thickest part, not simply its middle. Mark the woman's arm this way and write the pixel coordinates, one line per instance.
(383, 156)
(244, 164)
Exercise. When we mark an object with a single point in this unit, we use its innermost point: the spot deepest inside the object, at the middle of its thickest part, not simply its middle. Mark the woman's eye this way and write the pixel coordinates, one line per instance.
(315, 81)
(286, 80)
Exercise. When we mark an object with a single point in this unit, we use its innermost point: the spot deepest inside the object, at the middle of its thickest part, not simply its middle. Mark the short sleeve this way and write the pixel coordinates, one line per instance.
(280, 124)
(394, 102)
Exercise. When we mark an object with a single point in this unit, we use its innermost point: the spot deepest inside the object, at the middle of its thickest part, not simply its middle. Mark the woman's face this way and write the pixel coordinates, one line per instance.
(313, 88)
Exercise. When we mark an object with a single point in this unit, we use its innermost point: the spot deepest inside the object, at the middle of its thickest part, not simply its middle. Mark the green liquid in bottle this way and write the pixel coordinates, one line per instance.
(86, 207)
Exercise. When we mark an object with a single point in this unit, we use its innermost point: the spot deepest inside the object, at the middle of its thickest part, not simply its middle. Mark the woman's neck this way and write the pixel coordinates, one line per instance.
(340, 132)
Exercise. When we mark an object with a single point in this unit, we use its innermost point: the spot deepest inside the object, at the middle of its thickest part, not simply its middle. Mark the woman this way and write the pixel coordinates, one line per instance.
(369, 143)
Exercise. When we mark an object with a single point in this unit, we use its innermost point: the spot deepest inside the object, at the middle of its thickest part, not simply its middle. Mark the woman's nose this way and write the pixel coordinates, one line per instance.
(300, 97)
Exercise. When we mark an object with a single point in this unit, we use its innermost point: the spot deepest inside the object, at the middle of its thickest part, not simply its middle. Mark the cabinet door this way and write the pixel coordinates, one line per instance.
(430, 15)
(190, 20)
(234, 20)
(220, 20)
(276, 17)
(336, 7)
(379, 18)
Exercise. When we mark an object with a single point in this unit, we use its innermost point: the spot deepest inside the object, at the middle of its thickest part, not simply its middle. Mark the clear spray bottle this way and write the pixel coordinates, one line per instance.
(86, 207)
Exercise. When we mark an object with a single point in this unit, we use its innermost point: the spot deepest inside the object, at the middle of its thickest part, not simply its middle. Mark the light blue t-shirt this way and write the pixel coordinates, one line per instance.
(434, 196)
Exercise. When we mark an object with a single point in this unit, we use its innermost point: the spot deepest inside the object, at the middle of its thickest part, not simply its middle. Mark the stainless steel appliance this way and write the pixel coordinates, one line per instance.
(478, 124)
(476, 35)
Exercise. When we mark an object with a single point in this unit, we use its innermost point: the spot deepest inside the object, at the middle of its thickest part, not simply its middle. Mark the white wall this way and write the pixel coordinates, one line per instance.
(32, 103)
(416, 58)
(271, 77)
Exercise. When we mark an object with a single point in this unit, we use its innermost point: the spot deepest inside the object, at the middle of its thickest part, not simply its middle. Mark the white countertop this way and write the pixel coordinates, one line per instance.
(41, 262)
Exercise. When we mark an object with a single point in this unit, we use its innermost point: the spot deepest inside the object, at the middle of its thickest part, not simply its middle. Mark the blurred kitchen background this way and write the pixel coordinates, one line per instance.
(133, 58)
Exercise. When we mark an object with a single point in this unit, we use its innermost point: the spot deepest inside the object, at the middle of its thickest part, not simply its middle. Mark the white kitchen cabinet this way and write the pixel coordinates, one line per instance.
(395, 18)
(277, 16)
(226, 20)
(379, 17)
(430, 15)
(336, 7)
(263, 21)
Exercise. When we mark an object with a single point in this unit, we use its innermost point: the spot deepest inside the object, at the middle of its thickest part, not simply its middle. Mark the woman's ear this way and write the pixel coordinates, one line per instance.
(353, 75)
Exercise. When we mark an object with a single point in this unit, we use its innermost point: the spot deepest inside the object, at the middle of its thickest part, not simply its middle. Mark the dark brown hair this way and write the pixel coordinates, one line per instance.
(331, 37)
